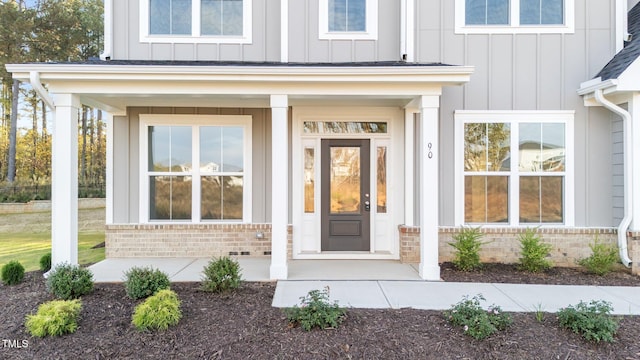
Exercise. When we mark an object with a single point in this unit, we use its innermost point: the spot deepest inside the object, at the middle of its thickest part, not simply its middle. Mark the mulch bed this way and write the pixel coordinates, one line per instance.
(243, 325)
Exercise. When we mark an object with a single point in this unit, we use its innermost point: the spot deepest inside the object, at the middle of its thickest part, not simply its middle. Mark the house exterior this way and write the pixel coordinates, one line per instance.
(355, 129)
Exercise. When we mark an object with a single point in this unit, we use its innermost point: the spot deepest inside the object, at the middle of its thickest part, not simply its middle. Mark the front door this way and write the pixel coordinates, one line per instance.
(345, 195)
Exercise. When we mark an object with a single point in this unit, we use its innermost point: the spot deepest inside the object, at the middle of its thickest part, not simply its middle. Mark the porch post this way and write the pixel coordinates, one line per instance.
(64, 183)
(409, 168)
(429, 191)
(634, 110)
(279, 186)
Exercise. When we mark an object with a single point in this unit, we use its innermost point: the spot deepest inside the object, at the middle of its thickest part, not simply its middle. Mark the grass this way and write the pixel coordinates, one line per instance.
(26, 237)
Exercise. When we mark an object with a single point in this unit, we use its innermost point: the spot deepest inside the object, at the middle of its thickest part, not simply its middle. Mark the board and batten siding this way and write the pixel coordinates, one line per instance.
(265, 45)
(127, 167)
(528, 72)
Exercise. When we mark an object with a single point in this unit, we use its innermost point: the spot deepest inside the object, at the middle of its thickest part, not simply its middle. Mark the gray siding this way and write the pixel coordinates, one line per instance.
(528, 72)
(617, 160)
(126, 165)
(265, 44)
(305, 45)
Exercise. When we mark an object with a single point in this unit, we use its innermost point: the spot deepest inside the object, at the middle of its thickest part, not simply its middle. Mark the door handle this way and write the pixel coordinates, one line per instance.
(367, 205)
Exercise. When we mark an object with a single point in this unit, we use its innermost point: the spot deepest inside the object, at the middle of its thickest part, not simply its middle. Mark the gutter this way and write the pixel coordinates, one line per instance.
(628, 175)
(36, 84)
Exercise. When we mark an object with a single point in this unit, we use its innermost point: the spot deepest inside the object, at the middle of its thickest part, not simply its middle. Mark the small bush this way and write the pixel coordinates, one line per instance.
(221, 275)
(467, 244)
(68, 282)
(143, 282)
(316, 311)
(593, 321)
(602, 259)
(534, 252)
(54, 318)
(158, 312)
(477, 322)
(12, 273)
(45, 262)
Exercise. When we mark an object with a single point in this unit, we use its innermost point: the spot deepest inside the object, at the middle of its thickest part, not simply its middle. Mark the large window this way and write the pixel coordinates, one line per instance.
(505, 16)
(348, 19)
(197, 169)
(514, 167)
(218, 21)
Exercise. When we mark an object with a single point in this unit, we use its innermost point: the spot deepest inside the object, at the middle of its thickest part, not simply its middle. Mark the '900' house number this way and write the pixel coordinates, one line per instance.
(430, 153)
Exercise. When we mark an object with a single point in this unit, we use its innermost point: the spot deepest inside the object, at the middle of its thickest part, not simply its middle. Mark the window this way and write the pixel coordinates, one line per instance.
(514, 16)
(196, 171)
(348, 19)
(514, 168)
(193, 21)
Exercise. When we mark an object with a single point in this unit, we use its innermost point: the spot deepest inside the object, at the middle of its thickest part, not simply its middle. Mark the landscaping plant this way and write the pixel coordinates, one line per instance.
(593, 321)
(45, 262)
(12, 273)
(602, 259)
(534, 252)
(467, 244)
(141, 282)
(316, 311)
(221, 274)
(68, 281)
(158, 311)
(54, 318)
(477, 322)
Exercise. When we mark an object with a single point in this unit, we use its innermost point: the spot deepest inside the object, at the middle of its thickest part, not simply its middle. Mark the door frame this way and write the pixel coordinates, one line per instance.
(306, 242)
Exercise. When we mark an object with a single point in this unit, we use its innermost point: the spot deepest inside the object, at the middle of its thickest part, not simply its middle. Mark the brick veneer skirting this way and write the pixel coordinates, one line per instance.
(189, 240)
(502, 245)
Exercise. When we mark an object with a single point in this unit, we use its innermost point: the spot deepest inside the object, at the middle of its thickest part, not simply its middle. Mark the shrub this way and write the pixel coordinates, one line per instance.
(158, 312)
(45, 262)
(143, 282)
(54, 318)
(602, 259)
(12, 272)
(467, 244)
(534, 252)
(593, 321)
(477, 322)
(68, 281)
(316, 311)
(221, 275)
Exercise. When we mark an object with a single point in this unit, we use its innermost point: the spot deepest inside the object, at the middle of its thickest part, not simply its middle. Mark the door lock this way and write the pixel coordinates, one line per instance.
(367, 205)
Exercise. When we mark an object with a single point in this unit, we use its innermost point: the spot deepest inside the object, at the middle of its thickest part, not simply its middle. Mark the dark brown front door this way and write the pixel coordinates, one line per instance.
(346, 201)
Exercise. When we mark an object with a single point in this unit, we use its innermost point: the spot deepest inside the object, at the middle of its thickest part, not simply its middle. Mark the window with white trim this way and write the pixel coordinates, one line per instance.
(514, 168)
(197, 168)
(193, 21)
(348, 19)
(514, 16)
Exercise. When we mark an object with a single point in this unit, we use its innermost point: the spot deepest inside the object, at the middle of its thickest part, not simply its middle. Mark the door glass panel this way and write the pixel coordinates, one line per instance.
(345, 179)
(381, 182)
(309, 183)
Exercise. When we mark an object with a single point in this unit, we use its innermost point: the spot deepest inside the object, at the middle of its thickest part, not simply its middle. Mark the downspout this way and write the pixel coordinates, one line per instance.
(108, 30)
(34, 79)
(628, 175)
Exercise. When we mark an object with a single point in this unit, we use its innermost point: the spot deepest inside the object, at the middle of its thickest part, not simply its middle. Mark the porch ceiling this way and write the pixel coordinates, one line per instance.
(116, 87)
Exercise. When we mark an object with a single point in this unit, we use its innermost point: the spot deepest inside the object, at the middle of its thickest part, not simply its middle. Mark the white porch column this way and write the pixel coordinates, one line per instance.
(634, 110)
(429, 190)
(64, 183)
(409, 168)
(279, 186)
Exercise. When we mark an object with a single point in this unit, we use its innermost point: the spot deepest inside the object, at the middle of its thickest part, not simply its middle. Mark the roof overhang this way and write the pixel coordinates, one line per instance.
(116, 87)
(618, 90)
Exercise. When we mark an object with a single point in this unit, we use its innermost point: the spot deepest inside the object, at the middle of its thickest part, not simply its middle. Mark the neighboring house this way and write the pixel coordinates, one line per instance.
(355, 129)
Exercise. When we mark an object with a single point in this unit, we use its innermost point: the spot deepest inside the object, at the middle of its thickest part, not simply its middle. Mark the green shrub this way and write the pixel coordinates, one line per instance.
(221, 275)
(67, 281)
(534, 252)
(45, 262)
(12, 272)
(316, 311)
(602, 259)
(593, 321)
(477, 322)
(143, 282)
(467, 244)
(54, 318)
(158, 312)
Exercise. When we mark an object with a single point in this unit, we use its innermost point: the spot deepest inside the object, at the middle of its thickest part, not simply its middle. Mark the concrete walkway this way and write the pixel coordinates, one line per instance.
(383, 284)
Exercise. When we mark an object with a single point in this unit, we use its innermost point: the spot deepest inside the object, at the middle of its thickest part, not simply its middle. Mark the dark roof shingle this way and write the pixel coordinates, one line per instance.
(621, 61)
